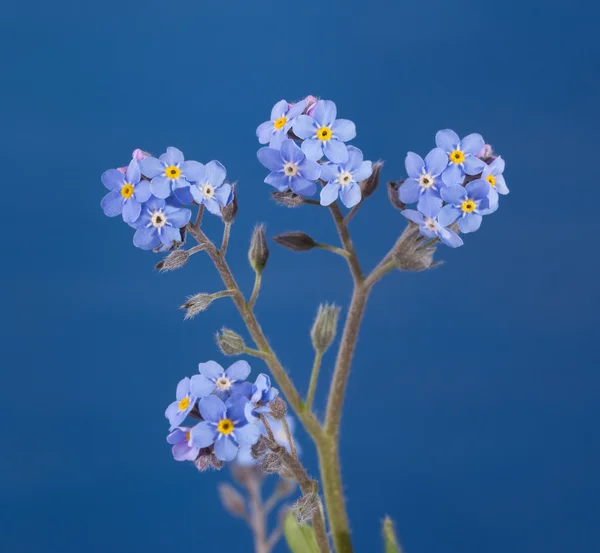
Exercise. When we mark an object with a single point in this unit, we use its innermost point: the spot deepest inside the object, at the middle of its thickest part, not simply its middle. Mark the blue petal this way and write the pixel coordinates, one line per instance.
(472, 144)
(329, 171)
(177, 217)
(313, 149)
(453, 194)
(310, 170)
(473, 165)
(112, 203)
(296, 109)
(215, 173)
(133, 172)
(477, 189)
(184, 194)
(343, 129)
(290, 152)
(235, 407)
(364, 171)
(447, 139)
(211, 369)
(223, 194)
(264, 132)
(413, 216)
(278, 180)
(453, 175)
(161, 187)
(177, 436)
(212, 409)
(146, 238)
(501, 185)
(350, 194)
(172, 156)
(277, 137)
(355, 159)
(193, 171)
(242, 388)
(325, 113)
(436, 161)
(448, 215)
(414, 165)
(497, 166)
(429, 204)
(131, 210)
(203, 434)
(470, 222)
(151, 167)
(270, 158)
(141, 191)
(305, 127)
(247, 435)
(279, 110)
(329, 193)
(409, 191)
(303, 187)
(450, 238)
(225, 448)
(112, 179)
(238, 371)
(201, 386)
(335, 151)
(183, 388)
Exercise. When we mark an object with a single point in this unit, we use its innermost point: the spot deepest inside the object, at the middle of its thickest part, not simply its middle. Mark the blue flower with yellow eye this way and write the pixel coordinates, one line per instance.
(180, 440)
(223, 383)
(225, 426)
(283, 116)
(183, 404)
(467, 204)
(462, 155)
(492, 173)
(127, 192)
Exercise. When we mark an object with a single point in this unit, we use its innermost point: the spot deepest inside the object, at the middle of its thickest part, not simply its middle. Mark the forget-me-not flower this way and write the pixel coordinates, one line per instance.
(213, 378)
(183, 404)
(431, 228)
(465, 204)
(159, 224)
(262, 393)
(127, 192)
(462, 155)
(425, 181)
(283, 116)
(342, 179)
(182, 449)
(492, 173)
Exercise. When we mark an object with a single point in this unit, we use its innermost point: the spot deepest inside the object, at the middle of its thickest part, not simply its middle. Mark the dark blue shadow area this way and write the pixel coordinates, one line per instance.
(472, 411)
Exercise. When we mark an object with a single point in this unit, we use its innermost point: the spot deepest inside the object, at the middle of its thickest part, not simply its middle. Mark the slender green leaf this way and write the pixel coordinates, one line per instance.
(300, 539)
(389, 537)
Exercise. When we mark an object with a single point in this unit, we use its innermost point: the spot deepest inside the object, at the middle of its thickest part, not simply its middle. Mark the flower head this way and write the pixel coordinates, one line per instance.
(290, 169)
(183, 404)
(283, 116)
(223, 383)
(467, 204)
(425, 181)
(462, 155)
(182, 449)
(225, 426)
(323, 134)
(168, 172)
(261, 395)
(343, 179)
(127, 192)
(431, 228)
(492, 173)
(159, 224)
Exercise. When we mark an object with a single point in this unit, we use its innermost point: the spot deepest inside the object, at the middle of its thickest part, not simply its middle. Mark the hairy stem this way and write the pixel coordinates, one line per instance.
(314, 376)
(225, 242)
(333, 249)
(342, 229)
(289, 437)
(258, 519)
(255, 290)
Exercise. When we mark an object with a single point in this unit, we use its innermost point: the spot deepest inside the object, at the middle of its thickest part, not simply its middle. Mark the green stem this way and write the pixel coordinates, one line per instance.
(255, 290)
(334, 249)
(314, 376)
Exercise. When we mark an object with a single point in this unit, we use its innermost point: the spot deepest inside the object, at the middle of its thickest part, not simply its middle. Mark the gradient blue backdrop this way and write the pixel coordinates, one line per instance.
(472, 412)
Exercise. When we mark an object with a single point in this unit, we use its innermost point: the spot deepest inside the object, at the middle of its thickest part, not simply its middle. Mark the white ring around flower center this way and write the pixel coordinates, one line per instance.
(208, 190)
(223, 384)
(290, 169)
(158, 219)
(426, 180)
(430, 224)
(345, 178)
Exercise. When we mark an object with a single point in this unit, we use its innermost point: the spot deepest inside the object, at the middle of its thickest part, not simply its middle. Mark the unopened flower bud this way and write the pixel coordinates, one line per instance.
(278, 409)
(196, 304)
(288, 199)
(306, 507)
(394, 196)
(311, 103)
(271, 463)
(487, 154)
(370, 184)
(232, 500)
(295, 241)
(259, 251)
(325, 326)
(173, 261)
(229, 211)
(259, 448)
(230, 342)
(389, 537)
(207, 460)
(411, 252)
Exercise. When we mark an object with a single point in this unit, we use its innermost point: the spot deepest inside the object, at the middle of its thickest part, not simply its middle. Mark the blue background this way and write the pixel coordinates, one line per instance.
(472, 411)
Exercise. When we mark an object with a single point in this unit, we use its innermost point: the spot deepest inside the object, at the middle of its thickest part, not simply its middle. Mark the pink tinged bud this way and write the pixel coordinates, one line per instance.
(311, 102)
(487, 153)
(122, 169)
(138, 154)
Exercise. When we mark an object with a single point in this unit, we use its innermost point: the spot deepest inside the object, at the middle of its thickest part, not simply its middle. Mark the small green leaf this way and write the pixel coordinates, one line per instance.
(300, 539)
(389, 537)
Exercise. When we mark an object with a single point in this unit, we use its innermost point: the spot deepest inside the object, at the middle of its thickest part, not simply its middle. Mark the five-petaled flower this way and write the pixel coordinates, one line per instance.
(323, 134)
(425, 181)
(183, 404)
(462, 155)
(290, 169)
(182, 449)
(492, 173)
(261, 395)
(467, 204)
(223, 383)
(224, 425)
(159, 224)
(283, 116)
(342, 179)
(127, 192)
(168, 172)
(430, 227)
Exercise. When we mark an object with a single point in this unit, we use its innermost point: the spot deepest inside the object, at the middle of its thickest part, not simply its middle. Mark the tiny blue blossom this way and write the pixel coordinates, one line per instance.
(290, 170)
(323, 134)
(262, 394)
(467, 204)
(431, 228)
(183, 404)
(169, 172)
(492, 173)
(223, 383)
(462, 155)
(182, 449)
(425, 180)
(343, 178)
(224, 425)
(127, 192)
(283, 116)
(159, 224)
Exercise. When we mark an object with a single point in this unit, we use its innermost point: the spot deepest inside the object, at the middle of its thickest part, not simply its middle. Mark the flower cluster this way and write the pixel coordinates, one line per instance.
(314, 125)
(226, 408)
(150, 194)
(459, 180)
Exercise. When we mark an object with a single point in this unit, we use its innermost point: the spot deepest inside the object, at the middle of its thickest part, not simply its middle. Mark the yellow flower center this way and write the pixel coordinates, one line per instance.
(491, 179)
(172, 172)
(324, 133)
(280, 123)
(225, 426)
(127, 191)
(457, 156)
(467, 206)
(184, 403)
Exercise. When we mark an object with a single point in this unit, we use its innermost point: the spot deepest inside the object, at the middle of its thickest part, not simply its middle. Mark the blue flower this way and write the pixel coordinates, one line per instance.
(283, 116)
(425, 181)
(224, 425)
(184, 403)
(431, 228)
(343, 178)
(245, 458)
(127, 192)
(261, 395)
(323, 134)
(168, 172)
(290, 169)
(213, 378)
(466, 204)
(182, 450)
(159, 224)
(492, 173)
(208, 188)
(462, 155)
